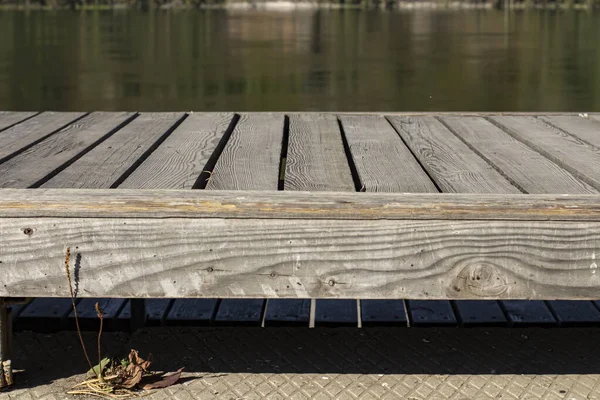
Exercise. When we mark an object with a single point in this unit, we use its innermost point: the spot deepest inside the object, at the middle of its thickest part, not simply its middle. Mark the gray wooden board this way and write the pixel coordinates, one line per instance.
(44, 314)
(251, 158)
(316, 160)
(106, 163)
(343, 312)
(88, 317)
(265, 205)
(32, 166)
(571, 153)
(574, 312)
(383, 162)
(180, 160)
(450, 162)
(10, 118)
(382, 312)
(156, 311)
(431, 313)
(33, 130)
(240, 312)
(528, 169)
(528, 313)
(287, 312)
(480, 312)
(302, 258)
(584, 128)
(192, 311)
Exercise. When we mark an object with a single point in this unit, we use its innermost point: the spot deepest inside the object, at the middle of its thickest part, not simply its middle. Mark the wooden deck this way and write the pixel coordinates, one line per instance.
(470, 154)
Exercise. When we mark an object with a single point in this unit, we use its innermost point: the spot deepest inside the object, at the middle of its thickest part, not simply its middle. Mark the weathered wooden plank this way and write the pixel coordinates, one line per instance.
(192, 312)
(528, 313)
(250, 160)
(21, 136)
(240, 312)
(88, 318)
(251, 157)
(179, 162)
(584, 128)
(574, 313)
(45, 314)
(431, 313)
(526, 168)
(32, 167)
(302, 258)
(10, 118)
(383, 312)
(195, 204)
(106, 164)
(315, 158)
(383, 164)
(382, 160)
(480, 312)
(571, 153)
(287, 312)
(336, 312)
(450, 162)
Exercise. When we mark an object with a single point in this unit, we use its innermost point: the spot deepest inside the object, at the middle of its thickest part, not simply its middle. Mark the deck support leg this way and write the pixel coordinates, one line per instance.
(138, 314)
(6, 378)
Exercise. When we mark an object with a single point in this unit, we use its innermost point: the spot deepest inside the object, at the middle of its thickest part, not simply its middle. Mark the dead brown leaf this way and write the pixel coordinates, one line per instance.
(166, 381)
(135, 370)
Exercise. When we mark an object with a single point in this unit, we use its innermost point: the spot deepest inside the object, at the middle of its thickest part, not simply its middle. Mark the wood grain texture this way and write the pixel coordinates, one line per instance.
(586, 129)
(316, 160)
(451, 164)
(106, 163)
(195, 204)
(10, 118)
(33, 130)
(251, 158)
(183, 156)
(302, 258)
(528, 169)
(32, 166)
(571, 153)
(382, 160)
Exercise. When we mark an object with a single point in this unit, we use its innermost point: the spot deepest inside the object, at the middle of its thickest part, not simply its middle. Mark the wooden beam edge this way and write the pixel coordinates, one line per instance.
(199, 204)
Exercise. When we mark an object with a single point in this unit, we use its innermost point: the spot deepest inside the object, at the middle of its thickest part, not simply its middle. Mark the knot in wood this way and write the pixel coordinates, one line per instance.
(481, 280)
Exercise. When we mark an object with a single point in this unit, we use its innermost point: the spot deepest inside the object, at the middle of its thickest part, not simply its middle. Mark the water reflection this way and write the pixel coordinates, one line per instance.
(302, 60)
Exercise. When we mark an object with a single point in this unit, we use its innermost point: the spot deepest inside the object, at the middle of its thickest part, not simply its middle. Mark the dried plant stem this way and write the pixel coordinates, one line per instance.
(68, 271)
(101, 316)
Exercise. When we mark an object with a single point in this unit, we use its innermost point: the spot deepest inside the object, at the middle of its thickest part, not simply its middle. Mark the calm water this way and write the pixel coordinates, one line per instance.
(305, 60)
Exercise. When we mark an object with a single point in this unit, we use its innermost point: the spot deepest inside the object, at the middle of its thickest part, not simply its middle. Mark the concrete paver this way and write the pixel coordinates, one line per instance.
(325, 364)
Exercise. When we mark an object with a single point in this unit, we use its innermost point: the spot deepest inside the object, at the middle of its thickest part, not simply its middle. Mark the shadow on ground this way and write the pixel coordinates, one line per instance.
(214, 351)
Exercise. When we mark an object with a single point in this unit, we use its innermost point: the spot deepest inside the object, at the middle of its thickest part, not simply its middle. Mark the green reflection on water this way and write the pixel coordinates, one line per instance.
(347, 60)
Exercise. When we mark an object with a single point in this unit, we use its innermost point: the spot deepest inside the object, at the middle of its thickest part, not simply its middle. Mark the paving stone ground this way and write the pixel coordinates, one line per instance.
(342, 363)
